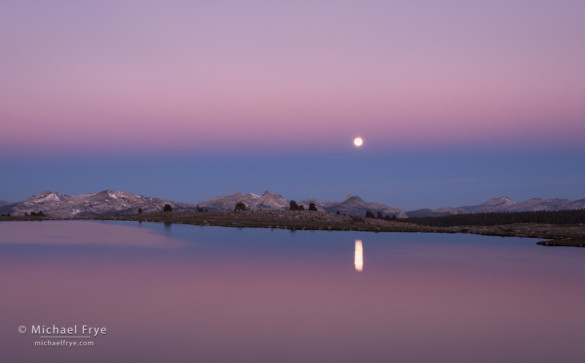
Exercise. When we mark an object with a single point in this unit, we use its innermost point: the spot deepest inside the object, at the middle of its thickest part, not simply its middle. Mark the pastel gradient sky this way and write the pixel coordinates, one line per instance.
(222, 96)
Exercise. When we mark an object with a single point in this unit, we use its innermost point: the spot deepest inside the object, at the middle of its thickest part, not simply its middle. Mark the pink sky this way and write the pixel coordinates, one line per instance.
(125, 74)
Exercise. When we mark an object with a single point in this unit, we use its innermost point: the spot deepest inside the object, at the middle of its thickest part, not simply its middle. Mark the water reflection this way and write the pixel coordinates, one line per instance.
(84, 233)
(358, 258)
(260, 296)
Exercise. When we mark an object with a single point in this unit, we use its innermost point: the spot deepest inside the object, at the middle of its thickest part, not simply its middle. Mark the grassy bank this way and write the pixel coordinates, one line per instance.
(554, 234)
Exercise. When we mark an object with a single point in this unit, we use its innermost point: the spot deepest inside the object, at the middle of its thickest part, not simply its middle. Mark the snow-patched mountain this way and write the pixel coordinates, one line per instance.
(55, 204)
(353, 205)
(504, 204)
(266, 201)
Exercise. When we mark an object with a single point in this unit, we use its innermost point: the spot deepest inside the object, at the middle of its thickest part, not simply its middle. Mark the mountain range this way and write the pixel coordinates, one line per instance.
(503, 204)
(252, 201)
(352, 205)
(55, 204)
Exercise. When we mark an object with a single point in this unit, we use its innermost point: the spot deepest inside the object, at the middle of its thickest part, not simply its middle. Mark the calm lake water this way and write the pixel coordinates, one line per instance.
(184, 293)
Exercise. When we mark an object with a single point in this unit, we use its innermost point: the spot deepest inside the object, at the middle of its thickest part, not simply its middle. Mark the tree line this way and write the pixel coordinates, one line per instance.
(575, 216)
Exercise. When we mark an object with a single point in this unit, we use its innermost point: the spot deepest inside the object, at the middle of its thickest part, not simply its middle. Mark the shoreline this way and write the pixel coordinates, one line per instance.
(554, 235)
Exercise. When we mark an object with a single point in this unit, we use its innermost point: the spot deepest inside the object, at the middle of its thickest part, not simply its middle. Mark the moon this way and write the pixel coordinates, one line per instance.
(358, 141)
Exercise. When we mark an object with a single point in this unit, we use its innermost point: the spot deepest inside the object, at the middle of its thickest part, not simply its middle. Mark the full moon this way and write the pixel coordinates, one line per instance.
(358, 141)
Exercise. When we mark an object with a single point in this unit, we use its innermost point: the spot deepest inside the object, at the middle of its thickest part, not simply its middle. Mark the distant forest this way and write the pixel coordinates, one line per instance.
(491, 219)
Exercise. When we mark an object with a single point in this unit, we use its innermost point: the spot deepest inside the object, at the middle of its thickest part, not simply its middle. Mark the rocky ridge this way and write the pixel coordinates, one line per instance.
(352, 205)
(55, 204)
(266, 201)
(107, 202)
(503, 204)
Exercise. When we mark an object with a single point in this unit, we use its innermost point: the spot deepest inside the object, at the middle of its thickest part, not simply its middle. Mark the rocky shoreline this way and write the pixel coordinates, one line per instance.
(553, 235)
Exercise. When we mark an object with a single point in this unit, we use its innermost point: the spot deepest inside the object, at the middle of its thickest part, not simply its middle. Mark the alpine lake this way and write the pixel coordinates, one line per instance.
(93, 291)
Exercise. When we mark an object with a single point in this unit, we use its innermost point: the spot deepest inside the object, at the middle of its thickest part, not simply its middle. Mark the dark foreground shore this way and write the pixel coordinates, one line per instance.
(553, 235)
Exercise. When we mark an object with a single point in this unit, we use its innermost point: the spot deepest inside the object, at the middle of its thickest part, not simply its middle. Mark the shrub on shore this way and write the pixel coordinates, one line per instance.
(293, 205)
(240, 206)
